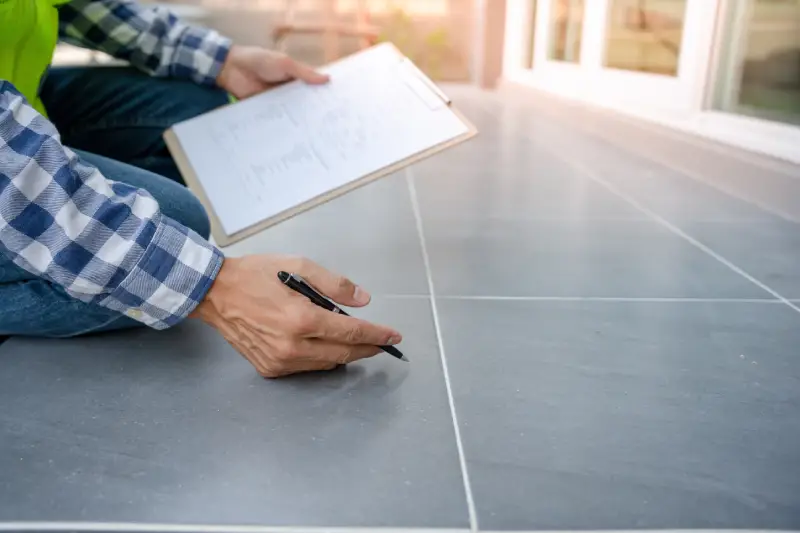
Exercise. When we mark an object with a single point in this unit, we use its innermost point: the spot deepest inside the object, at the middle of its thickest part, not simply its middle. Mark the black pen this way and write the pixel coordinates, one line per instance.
(298, 284)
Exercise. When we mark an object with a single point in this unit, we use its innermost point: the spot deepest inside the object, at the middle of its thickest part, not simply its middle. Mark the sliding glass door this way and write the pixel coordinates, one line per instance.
(758, 72)
(566, 30)
(726, 69)
(654, 53)
(645, 35)
(646, 52)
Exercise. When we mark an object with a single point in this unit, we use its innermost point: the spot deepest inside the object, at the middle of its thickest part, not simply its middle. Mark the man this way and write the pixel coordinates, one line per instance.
(97, 232)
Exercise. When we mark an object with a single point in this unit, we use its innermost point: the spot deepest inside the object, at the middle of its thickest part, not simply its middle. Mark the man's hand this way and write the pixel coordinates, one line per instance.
(249, 70)
(280, 331)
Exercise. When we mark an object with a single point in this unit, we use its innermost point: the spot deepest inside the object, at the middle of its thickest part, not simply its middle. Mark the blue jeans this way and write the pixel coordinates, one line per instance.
(113, 118)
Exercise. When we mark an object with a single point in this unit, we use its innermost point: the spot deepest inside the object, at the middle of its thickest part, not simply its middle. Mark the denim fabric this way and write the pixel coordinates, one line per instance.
(114, 119)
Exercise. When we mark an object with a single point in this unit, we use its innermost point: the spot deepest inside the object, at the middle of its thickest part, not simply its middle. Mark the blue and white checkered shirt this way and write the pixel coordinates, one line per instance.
(105, 242)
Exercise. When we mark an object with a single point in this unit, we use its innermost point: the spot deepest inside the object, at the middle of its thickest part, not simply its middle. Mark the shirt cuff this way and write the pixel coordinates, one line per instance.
(170, 280)
(200, 55)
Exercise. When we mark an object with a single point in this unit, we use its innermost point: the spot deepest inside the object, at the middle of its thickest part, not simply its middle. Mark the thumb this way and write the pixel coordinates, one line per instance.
(305, 73)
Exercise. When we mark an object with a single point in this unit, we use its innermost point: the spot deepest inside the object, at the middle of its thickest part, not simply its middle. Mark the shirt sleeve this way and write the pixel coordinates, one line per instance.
(104, 242)
(150, 38)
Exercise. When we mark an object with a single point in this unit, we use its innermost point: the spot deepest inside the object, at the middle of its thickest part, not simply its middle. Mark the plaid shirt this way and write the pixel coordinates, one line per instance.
(105, 242)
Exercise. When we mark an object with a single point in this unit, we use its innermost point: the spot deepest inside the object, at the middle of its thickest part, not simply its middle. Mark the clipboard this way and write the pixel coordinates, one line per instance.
(224, 239)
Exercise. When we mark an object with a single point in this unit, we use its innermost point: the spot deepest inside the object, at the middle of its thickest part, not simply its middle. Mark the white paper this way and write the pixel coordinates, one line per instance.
(275, 151)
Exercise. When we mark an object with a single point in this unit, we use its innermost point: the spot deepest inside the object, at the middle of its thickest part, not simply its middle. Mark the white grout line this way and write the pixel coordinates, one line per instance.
(201, 528)
(401, 296)
(765, 161)
(609, 299)
(612, 299)
(669, 226)
(649, 156)
(696, 176)
(736, 152)
(473, 516)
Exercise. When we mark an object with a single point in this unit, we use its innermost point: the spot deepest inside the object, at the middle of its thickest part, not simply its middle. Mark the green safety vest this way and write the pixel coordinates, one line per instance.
(28, 36)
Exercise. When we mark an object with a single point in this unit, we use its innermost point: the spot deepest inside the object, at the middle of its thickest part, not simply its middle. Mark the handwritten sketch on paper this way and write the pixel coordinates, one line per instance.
(272, 152)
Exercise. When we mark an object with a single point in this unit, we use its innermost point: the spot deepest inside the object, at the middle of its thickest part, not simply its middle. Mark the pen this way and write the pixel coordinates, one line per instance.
(298, 284)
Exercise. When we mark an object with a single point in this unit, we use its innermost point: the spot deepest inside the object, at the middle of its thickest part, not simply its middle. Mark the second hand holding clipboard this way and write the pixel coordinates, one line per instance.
(265, 159)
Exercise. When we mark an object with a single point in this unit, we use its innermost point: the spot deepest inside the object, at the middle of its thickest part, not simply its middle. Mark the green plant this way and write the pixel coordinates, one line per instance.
(428, 51)
(437, 44)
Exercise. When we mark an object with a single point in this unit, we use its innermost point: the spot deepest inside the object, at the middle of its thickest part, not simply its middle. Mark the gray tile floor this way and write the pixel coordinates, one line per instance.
(603, 320)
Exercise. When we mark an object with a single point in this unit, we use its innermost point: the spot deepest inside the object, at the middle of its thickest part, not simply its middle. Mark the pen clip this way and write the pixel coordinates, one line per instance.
(423, 79)
(299, 279)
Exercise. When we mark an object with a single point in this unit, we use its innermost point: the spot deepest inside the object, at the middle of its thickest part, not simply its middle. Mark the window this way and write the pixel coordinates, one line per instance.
(645, 35)
(759, 72)
(566, 30)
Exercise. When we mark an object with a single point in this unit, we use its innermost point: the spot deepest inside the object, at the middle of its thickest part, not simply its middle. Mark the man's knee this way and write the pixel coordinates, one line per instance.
(180, 204)
(195, 217)
(176, 201)
(202, 99)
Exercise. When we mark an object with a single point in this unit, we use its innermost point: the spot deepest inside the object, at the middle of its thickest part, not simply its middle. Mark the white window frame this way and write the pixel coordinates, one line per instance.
(591, 80)
(683, 101)
(772, 138)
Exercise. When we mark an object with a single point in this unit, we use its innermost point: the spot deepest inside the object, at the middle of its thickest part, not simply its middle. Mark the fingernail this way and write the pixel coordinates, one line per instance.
(361, 296)
(395, 339)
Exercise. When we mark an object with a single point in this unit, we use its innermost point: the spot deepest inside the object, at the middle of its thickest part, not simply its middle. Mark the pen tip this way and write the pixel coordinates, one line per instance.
(404, 358)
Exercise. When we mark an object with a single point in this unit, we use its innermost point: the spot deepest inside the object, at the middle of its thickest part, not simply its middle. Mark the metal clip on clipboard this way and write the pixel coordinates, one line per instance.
(423, 86)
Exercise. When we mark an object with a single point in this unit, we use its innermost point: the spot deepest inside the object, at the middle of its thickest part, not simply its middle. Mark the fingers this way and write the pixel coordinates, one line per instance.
(339, 354)
(305, 321)
(340, 289)
(297, 368)
(303, 72)
(309, 355)
(279, 331)
(351, 331)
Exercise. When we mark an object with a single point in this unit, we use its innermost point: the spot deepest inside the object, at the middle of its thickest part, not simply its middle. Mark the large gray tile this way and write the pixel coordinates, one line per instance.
(175, 427)
(369, 235)
(769, 251)
(690, 172)
(510, 178)
(599, 258)
(764, 181)
(502, 173)
(672, 194)
(620, 415)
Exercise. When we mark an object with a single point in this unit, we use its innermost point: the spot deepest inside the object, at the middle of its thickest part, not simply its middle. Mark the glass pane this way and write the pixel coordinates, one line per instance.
(760, 71)
(566, 29)
(645, 35)
(531, 36)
